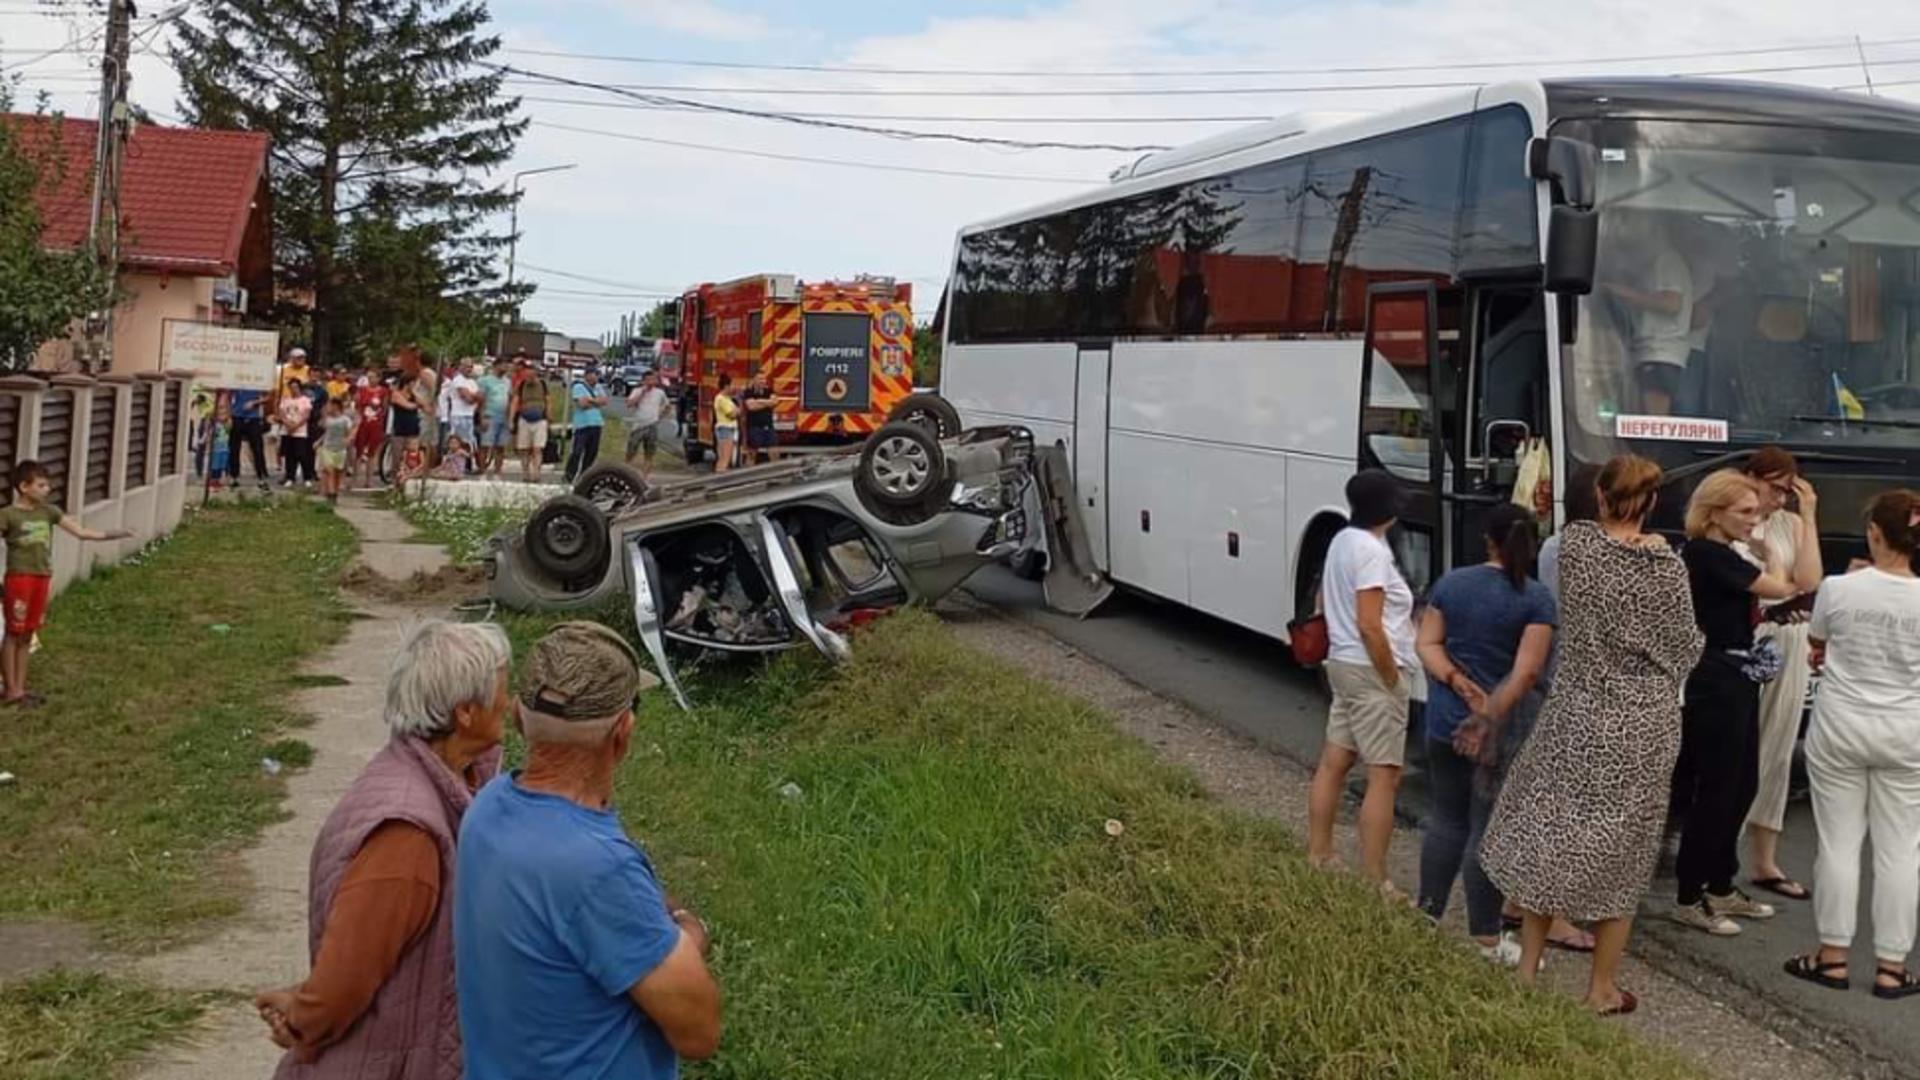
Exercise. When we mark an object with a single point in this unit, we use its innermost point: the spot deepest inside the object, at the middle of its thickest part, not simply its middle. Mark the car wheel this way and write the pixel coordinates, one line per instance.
(612, 487)
(1030, 565)
(567, 538)
(901, 464)
(930, 411)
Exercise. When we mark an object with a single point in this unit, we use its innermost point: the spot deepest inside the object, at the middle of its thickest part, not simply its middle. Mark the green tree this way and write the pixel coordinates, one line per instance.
(42, 293)
(654, 323)
(386, 118)
(926, 356)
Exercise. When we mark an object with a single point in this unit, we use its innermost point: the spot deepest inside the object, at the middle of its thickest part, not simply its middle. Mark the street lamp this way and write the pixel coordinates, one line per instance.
(513, 235)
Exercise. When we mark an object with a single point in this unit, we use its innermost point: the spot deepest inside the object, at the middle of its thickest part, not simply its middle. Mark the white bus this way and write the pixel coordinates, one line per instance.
(1686, 269)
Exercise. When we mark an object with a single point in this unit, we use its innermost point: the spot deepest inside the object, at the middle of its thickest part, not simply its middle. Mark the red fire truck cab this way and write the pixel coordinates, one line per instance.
(838, 354)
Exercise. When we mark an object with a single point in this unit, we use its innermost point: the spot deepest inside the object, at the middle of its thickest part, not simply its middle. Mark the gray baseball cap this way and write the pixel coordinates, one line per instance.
(583, 671)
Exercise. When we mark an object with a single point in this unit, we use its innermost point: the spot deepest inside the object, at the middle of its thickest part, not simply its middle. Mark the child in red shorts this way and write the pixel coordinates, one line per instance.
(27, 527)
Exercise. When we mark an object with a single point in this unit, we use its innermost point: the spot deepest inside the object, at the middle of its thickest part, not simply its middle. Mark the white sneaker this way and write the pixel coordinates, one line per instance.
(1739, 905)
(1504, 953)
(1701, 916)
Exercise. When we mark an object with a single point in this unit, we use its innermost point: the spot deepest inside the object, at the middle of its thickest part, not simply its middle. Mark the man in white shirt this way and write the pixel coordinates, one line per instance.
(645, 408)
(1659, 317)
(460, 400)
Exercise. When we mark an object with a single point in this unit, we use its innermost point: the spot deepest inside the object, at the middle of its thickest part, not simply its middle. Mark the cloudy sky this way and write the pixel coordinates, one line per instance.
(662, 198)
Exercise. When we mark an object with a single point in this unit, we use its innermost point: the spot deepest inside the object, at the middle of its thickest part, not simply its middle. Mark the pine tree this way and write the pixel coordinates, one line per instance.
(385, 120)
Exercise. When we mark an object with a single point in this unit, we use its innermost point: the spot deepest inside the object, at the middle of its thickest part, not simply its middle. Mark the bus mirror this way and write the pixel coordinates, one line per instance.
(1569, 164)
(1573, 244)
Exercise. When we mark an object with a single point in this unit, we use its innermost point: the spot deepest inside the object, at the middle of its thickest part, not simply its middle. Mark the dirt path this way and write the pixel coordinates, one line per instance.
(266, 946)
(1260, 782)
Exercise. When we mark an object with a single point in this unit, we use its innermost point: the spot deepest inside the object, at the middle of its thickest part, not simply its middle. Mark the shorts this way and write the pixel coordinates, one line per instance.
(760, 438)
(331, 460)
(531, 435)
(645, 437)
(367, 438)
(1366, 717)
(724, 431)
(461, 427)
(406, 423)
(497, 432)
(26, 598)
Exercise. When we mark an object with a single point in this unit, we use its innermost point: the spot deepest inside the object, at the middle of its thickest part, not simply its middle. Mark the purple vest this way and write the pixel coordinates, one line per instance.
(411, 1031)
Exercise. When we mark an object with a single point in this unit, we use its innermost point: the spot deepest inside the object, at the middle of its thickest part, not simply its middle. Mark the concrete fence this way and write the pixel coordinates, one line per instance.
(116, 450)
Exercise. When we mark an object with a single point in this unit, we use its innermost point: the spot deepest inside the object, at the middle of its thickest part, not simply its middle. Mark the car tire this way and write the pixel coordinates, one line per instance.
(930, 411)
(1028, 565)
(613, 487)
(901, 465)
(567, 538)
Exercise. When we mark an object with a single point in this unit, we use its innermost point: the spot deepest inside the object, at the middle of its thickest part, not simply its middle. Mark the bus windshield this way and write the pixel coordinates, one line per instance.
(1755, 284)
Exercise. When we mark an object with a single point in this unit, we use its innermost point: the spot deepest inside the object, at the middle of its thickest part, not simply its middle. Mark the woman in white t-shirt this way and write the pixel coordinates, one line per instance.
(1370, 664)
(1863, 752)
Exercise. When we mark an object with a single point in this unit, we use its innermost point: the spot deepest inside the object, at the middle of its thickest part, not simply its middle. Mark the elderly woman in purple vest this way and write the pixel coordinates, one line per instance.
(379, 1001)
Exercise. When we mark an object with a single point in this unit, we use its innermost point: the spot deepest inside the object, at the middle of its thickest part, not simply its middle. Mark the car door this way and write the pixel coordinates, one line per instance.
(786, 584)
(1074, 584)
(646, 615)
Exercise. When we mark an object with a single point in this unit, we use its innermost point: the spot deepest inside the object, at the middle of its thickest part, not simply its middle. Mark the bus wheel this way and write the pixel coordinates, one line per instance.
(901, 465)
(567, 537)
(930, 411)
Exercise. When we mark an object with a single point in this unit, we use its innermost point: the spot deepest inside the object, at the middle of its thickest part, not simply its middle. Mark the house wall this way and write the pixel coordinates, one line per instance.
(148, 301)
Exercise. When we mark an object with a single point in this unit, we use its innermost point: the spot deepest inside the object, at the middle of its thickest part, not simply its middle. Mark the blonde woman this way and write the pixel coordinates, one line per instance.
(1719, 767)
(1784, 699)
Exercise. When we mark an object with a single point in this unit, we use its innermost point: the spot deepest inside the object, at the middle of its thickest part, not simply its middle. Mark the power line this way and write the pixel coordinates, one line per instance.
(1177, 91)
(549, 290)
(1169, 73)
(769, 155)
(627, 285)
(75, 46)
(1245, 118)
(765, 114)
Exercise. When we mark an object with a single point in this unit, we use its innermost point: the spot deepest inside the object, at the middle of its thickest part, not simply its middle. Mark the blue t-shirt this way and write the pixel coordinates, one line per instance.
(556, 915)
(585, 415)
(245, 404)
(497, 390)
(1485, 617)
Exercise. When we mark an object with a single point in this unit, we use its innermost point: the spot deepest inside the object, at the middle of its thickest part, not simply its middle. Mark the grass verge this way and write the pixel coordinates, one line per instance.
(167, 682)
(71, 1026)
(462, 530)
(944, 896)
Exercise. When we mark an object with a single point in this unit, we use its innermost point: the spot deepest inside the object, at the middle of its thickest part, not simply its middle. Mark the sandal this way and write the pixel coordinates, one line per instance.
(1784, 886)
(1629, 1001)
(1583, 943)
(1906, 985)
(1809, 968)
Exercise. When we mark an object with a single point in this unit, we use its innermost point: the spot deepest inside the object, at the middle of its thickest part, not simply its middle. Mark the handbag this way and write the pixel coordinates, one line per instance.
(1309, 641)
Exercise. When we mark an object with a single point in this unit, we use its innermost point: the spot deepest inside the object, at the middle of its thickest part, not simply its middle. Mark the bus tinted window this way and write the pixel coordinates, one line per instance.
(1284, 247)
(1499, 229)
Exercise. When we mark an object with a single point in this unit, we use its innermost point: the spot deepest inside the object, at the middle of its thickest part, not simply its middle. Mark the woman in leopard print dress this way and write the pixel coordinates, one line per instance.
(1578, 824)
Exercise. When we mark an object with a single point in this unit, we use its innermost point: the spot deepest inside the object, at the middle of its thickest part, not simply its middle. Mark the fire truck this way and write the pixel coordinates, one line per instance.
(838, 354)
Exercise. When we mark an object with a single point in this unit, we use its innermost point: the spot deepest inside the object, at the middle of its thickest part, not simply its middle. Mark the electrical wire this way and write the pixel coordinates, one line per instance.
(628, 89)
(548, 290)
(1244, 118)
(836, 125)
(770, 155)
(627, 285)
(75, 46)
(1170, 73)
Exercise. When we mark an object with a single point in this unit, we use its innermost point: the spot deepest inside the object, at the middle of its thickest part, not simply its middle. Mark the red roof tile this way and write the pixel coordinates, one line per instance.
(185, 199)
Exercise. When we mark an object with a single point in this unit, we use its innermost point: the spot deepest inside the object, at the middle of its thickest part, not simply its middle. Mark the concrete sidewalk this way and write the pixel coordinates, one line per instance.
(266, 945)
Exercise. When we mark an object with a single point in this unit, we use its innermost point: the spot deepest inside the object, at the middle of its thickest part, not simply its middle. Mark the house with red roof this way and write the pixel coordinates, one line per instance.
(196, 233)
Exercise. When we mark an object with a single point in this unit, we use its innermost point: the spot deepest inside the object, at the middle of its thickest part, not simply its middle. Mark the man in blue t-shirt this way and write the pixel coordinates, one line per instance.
(248, 409)
(571, 960)
(588, 400)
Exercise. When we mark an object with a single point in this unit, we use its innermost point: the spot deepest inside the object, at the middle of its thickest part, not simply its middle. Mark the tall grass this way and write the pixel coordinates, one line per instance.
(944, 896)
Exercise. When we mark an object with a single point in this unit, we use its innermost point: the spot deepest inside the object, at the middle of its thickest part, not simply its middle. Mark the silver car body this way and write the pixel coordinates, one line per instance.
(768, 558)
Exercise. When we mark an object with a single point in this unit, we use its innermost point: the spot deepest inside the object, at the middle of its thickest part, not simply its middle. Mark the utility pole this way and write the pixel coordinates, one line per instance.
(513, 230)
(109, 159)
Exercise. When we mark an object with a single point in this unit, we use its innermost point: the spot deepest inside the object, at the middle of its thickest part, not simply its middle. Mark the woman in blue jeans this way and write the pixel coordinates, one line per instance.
(1484, 641)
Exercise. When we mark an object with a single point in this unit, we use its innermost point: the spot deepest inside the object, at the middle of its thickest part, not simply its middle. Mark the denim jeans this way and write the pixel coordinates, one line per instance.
(1451, 843)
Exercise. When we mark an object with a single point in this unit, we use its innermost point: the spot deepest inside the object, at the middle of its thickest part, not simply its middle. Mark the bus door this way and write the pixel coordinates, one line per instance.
(1400, 422)
(1506, 407)
(1090, 447)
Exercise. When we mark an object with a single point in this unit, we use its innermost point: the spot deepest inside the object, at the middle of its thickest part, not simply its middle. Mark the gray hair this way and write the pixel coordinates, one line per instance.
(441, 666)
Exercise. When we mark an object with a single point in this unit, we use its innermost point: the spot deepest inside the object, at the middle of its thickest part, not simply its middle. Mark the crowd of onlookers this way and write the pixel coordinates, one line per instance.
(1591, 697)
(412, 416)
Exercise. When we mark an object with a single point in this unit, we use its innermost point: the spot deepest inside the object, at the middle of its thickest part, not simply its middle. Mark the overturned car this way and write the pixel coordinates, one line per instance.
(770, 557)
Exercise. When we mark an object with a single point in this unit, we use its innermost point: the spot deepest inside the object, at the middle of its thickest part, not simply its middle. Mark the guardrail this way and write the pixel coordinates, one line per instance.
(115, 447)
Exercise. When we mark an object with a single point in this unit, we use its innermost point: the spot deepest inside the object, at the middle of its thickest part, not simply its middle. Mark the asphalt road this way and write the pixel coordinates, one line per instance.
(1247, 683)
